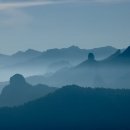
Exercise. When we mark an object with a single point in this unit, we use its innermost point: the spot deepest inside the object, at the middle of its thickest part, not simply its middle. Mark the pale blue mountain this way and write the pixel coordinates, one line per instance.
(18, 57)
(75, 54)
(119, 58)
(32, 62)
(107, 73)
(91, 72)
(29, 53)
(111, 57)
(71, 54)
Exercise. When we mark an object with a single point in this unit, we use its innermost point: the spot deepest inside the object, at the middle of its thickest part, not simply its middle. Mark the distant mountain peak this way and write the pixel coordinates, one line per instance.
(18, 53)
(17, 79)
(31, 51)
(19, 91)
(126, 53)
(73, 47)
(114, 55)
(91, 57)
(90, 61)
(110, 47)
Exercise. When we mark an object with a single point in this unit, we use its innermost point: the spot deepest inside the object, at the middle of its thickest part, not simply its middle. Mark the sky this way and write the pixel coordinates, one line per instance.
(45, 24)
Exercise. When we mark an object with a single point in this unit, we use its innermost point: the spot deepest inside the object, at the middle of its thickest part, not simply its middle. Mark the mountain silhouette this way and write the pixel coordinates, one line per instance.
(93, 73)
(117, 58)
(108, 73)
(113, 56)
(10, 62)
(18, 80)
(89, 62)
(72, 107)
(120, 58)
(126, 53)
(124, 57)
(32, 62)
(19, 91)
(30, 53)
(76, 54)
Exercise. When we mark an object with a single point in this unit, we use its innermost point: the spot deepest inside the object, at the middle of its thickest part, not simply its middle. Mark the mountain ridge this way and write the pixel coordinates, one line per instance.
(30, 62)
(72, 107)
(19, 92)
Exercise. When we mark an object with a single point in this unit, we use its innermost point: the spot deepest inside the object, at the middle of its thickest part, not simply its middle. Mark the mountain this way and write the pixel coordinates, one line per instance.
(113, 56)
(126, 53)
(21, 57)
(30, 53)
(18, 57)
(119, 55)
(63, 53)
(89, 62)
(108, 73)
(9, 64)
(72, 107)
(32, 62)
(75, 54)
(124, 57)
(19, 91)
(112, 70)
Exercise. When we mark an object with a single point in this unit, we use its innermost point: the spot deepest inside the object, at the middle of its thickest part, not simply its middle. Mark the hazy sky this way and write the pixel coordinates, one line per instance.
(44, 24)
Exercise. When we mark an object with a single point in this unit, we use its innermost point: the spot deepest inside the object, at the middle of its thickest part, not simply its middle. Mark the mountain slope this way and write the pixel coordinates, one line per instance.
(72, 107)
(33, 62)
(120, 58)
(19, 92)
(28, 54)
(75, 54)
(94, 73)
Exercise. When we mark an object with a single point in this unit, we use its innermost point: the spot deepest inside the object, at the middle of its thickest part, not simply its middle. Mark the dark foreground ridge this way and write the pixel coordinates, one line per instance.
(72, 108)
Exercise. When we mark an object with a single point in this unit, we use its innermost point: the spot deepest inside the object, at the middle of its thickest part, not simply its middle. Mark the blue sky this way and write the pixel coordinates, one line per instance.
(44, 24)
